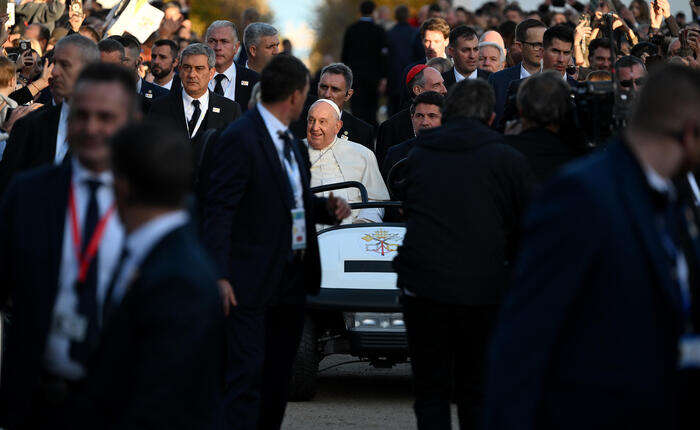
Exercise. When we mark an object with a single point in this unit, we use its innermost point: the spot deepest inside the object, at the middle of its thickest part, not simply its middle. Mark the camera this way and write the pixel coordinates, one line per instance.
(599, 110)
(24, 45)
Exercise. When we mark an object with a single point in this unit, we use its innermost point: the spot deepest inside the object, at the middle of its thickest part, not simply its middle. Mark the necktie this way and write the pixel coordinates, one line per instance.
(107, 307)
(218, 88)
(284, 135)
(192, 123)
(87, 291)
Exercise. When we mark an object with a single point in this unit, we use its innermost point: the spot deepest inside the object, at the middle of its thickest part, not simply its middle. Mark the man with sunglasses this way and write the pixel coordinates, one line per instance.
(632, 73)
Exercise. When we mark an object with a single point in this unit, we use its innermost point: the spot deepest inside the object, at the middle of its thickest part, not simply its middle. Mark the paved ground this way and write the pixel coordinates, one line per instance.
(357, 396)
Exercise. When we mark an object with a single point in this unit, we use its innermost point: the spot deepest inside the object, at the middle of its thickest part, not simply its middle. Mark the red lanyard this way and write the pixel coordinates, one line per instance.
(94, 243)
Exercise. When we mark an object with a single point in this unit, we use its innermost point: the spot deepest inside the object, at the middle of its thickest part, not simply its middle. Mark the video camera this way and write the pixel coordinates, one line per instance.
(599, 110)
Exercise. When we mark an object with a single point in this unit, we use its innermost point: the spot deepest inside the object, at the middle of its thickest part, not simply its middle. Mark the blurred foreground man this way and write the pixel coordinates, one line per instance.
(56, 283)
(599, 329)
(334, 160)
(465, 193)
(259, 225)
(162, 350)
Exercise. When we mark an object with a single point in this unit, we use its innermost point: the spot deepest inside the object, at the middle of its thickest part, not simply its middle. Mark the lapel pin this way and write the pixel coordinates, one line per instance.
(244, 83)
(345, 132)
(149, 95)
(215, 110)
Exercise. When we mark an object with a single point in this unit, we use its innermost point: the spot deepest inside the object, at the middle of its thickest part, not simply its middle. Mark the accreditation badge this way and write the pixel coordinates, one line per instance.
(71, 326)
(298, 229)
(689, 351)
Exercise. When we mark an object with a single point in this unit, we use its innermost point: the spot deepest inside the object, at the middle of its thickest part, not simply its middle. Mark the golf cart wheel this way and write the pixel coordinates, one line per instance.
(305, 370)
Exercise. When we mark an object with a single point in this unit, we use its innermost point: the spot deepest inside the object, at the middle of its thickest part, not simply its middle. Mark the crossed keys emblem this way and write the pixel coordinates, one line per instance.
(381, 242)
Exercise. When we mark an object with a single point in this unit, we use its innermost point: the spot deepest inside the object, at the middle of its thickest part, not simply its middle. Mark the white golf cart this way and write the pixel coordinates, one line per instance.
(357, 311)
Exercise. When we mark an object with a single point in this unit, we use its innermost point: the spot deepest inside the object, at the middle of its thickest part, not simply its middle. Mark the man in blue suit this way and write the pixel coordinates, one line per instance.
(607, 282)
(528, 36)
(259, 225)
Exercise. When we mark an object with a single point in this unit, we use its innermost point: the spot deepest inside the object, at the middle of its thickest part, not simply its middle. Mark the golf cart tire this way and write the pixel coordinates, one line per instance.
(305, 371)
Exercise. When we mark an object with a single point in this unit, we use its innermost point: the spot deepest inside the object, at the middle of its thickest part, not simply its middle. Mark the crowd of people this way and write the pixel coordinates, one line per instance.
(158, 224)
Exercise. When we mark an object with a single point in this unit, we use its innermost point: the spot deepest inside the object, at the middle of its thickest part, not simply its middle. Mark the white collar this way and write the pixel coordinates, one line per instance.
(140, 241)
(272, 123)
(658, 182)
(65, 110)
(203, 99)
(230, 73)
(82, 174)
(138, 85)
(459, 77)
(523, 71)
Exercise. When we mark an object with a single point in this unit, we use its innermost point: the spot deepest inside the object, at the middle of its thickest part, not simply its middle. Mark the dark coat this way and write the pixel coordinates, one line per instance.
(356, 130)
(393, 131)
(588, 337)
(500, 81)
(465, 193)
(545, 151)
(399, 43)
(395, 154)
(32, 220)
(149, 93)
(364, 51)
(450, 80)
(32, 143)
(510, 111)
(247, 221)
(162, 352)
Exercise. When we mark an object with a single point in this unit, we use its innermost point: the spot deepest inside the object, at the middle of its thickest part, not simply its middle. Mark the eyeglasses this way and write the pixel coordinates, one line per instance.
(627, 83)
(534, 45)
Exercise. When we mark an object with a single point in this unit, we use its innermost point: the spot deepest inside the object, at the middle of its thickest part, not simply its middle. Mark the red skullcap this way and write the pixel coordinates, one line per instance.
(414, 71)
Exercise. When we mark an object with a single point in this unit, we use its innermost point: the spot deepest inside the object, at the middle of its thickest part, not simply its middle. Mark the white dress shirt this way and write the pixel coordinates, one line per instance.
(167, 85)
(138, 86)
(139, 244)
(274, 125)
(524, 73)
(228, 83)
(189, 109)
(62, 134)
(459, 77)
(57, 354)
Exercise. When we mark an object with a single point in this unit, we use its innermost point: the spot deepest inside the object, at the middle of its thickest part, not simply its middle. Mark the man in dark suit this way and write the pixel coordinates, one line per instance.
(399, 127)
(590, 336)
(464, 51)
(195, 109)
(47, 218)
(558, 43)
(426, 113)
(231, 81)
(259, 225)
(434, 37)
(162, 351)
(364, 51)
(453, 265)
(132, 60)
(544, 105)
(41, 137)
(400, 54)
(528, 38)
(336, 84)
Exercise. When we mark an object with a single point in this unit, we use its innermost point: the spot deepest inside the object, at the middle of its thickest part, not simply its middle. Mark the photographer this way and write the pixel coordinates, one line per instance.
(543, 103)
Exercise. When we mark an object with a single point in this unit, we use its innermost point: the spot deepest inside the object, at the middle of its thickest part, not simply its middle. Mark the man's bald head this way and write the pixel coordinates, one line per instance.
(493, 37)
(323, 125)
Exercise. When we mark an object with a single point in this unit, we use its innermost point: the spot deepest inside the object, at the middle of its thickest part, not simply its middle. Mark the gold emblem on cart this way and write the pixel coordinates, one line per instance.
(381, 242)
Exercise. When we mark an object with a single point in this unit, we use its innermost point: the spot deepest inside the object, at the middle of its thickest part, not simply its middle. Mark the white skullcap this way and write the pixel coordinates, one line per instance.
(331, 103)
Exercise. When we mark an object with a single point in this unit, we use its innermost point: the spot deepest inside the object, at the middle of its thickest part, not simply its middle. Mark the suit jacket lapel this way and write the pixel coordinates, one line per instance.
(178, 111)
(633, 185)
(49, 134)
(270, 151)
(57, 220)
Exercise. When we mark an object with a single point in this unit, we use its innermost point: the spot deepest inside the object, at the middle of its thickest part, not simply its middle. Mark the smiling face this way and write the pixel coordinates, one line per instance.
(322, 126)
(195, 74)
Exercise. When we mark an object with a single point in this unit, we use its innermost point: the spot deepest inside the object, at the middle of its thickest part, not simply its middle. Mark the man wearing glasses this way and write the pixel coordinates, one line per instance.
(528, 37)
(631, 72)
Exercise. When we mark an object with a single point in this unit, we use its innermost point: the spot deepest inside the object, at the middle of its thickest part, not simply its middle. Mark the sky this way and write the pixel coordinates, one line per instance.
(294, 17)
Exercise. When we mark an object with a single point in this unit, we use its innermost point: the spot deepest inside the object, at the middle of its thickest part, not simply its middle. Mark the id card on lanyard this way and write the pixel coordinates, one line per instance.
(298, 229)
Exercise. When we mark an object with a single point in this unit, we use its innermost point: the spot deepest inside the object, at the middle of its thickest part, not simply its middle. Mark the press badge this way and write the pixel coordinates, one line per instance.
(298, 229)
(689, 351)
(72, 326)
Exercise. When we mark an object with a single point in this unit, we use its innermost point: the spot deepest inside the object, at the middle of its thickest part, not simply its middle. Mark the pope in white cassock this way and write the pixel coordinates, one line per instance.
(336, 160)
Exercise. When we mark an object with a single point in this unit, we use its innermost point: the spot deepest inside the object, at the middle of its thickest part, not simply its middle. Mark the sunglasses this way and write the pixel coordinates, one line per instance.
(627, 83)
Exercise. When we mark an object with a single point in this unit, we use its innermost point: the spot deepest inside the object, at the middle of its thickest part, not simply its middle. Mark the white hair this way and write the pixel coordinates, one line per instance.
(494, 45)
(331, 103)
(222, 23)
